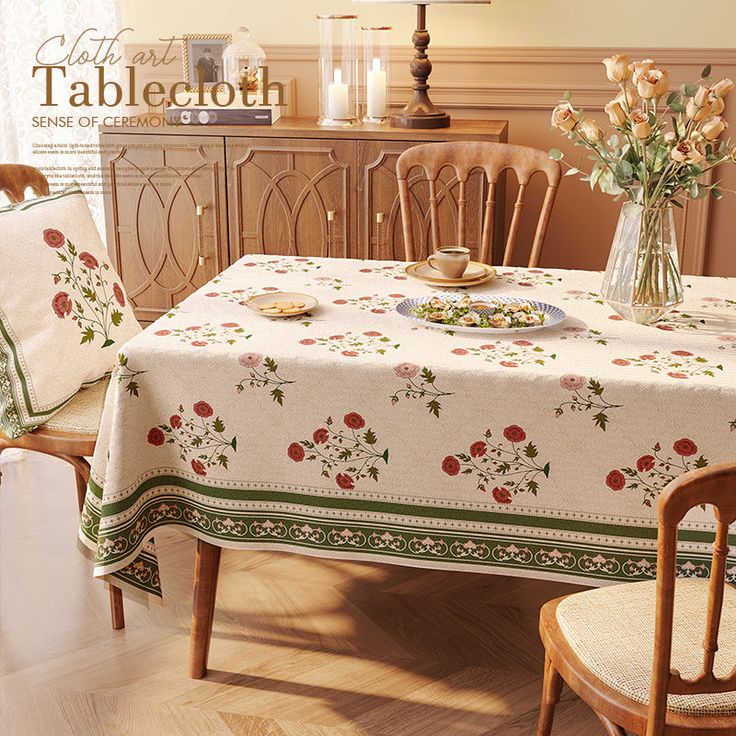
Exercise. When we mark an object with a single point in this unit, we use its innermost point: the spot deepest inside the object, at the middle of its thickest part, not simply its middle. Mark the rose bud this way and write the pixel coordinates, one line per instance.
(713, 127)
(616, 113)
(640, 126)
(687, 152)
(701, 96)
(652, 83)
(697, 113)
(617, 67)
(716, 105)
(590, 130)
(628, 96)
(723, 87)
(670, 137)
(640, 67)
(564, 117)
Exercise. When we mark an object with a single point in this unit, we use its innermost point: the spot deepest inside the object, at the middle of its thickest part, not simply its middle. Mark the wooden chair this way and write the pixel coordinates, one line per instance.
(622, 649)
(493, 159)
(71, 434)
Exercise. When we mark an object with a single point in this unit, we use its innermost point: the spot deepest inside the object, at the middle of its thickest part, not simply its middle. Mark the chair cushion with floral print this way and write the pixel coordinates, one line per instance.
(63, 311)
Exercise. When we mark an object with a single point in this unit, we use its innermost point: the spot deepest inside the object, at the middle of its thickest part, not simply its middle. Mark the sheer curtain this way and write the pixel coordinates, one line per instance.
(24, 26)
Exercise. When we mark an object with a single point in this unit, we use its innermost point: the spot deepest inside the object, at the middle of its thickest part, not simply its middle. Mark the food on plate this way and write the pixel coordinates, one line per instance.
(280, 308)
(464, 312)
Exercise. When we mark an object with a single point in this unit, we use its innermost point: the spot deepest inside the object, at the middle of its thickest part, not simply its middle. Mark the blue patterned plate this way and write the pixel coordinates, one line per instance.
(552, 315)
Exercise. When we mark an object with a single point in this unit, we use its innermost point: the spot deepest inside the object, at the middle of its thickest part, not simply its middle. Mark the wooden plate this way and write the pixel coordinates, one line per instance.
(420, 271)
(259, 301)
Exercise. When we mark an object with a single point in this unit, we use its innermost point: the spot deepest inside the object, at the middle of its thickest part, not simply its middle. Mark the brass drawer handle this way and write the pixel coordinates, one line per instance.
(202, 258)
(379, 217)
(331, 215)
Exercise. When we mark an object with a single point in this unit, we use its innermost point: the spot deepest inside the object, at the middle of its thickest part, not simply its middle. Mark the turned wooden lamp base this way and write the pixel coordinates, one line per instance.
(421, 112)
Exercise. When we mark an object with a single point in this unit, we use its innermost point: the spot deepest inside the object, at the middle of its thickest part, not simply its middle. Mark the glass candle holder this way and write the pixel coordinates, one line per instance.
(375, 73)
(338, 70)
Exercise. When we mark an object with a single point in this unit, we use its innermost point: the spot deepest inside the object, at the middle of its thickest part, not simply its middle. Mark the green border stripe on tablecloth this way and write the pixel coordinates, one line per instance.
(399, 509)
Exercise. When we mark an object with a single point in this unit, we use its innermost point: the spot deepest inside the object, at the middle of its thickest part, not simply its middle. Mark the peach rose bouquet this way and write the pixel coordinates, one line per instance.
(664, 142)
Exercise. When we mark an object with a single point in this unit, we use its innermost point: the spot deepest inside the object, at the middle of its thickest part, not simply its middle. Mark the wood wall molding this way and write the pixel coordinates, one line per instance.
(522, 85)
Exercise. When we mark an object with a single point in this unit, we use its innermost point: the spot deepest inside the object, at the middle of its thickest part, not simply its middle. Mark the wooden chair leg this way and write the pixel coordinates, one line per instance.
(81, 489)
(611, 728)
(550, 697)
(117, 612)
(206, 569)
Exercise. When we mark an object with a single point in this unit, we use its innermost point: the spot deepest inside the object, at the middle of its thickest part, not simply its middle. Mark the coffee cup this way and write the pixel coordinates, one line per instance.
(451, 261)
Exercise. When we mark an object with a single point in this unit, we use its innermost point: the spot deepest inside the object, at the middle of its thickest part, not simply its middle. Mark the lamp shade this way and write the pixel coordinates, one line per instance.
(429, 2)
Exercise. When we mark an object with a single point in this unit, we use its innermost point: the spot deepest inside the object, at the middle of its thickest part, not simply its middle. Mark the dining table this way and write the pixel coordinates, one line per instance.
(353, 432)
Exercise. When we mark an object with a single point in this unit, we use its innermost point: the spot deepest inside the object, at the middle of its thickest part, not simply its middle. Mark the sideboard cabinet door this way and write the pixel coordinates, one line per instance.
(165, 209)
(291, 196)
(379, 212)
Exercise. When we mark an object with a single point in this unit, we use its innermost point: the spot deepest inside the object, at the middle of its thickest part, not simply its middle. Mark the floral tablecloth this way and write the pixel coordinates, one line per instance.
(354, 432)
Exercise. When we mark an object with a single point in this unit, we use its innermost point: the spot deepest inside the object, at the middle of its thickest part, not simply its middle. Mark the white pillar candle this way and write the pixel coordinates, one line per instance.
(337, 98)
(376, 91)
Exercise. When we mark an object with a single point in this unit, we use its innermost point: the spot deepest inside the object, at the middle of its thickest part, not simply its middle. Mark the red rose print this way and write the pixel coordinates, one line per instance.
(396, 296)
(340, 301)
(478, 449)
(535, 270)
(249, 264)
(645, 463)
(509, 364)
(281, 270)
(320, 436)
(364, 298)
(229, 324)
(450, 465)
(616, 318)
(155, 437)
(61, 304)
(489, 346)
(378, 311)
(53, 238)
(681, 353)
(212, 293)
(89, 260)
(354, 421)
(270, 288)
(514, 433)
(620, 361)
(459, 351)
(615, 480)
(295, 452)
(675, 374)
(648, 356)
(162, 333)
(199, 343)
(523, 343)
(193, 328)
(344, 481)
(198, 467)
(502, 495)
(401, 278)
(350, 353)
(666, 328)
(573, 329)
(118, 294)
(307, 341)
(302, 260)
(685, 447)
(525, 283)
(175, 421)
(337, 337)
(203, 409)
(372, 333)
(365, 270)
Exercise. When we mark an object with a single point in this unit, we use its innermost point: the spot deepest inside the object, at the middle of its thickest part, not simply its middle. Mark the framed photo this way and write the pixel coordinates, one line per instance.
(204, 51)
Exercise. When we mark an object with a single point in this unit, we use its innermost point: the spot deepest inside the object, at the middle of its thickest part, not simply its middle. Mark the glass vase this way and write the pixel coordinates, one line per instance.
(642, 281)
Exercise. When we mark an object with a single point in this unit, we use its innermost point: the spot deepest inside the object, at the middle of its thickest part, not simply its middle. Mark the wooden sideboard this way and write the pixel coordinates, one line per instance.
(182, 203)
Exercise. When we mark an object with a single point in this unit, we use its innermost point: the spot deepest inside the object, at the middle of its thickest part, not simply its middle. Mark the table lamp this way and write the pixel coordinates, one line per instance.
(420, 112)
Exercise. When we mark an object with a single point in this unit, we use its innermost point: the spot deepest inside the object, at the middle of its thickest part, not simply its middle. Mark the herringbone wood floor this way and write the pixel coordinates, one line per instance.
(301, 646)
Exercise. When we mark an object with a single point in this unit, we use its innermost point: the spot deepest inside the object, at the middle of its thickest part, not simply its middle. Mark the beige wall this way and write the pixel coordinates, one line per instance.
(676, 23)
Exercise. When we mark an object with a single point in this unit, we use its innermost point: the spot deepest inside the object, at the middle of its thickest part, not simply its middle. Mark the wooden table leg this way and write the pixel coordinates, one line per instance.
(206, 568)
(116, 608)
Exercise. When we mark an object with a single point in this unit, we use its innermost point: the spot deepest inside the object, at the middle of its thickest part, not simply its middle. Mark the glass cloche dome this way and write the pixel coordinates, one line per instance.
(243, 60)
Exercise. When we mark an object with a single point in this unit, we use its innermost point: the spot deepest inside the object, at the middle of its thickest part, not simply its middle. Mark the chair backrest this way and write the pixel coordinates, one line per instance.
(716, 486)
(492, 159)
(16, 178)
